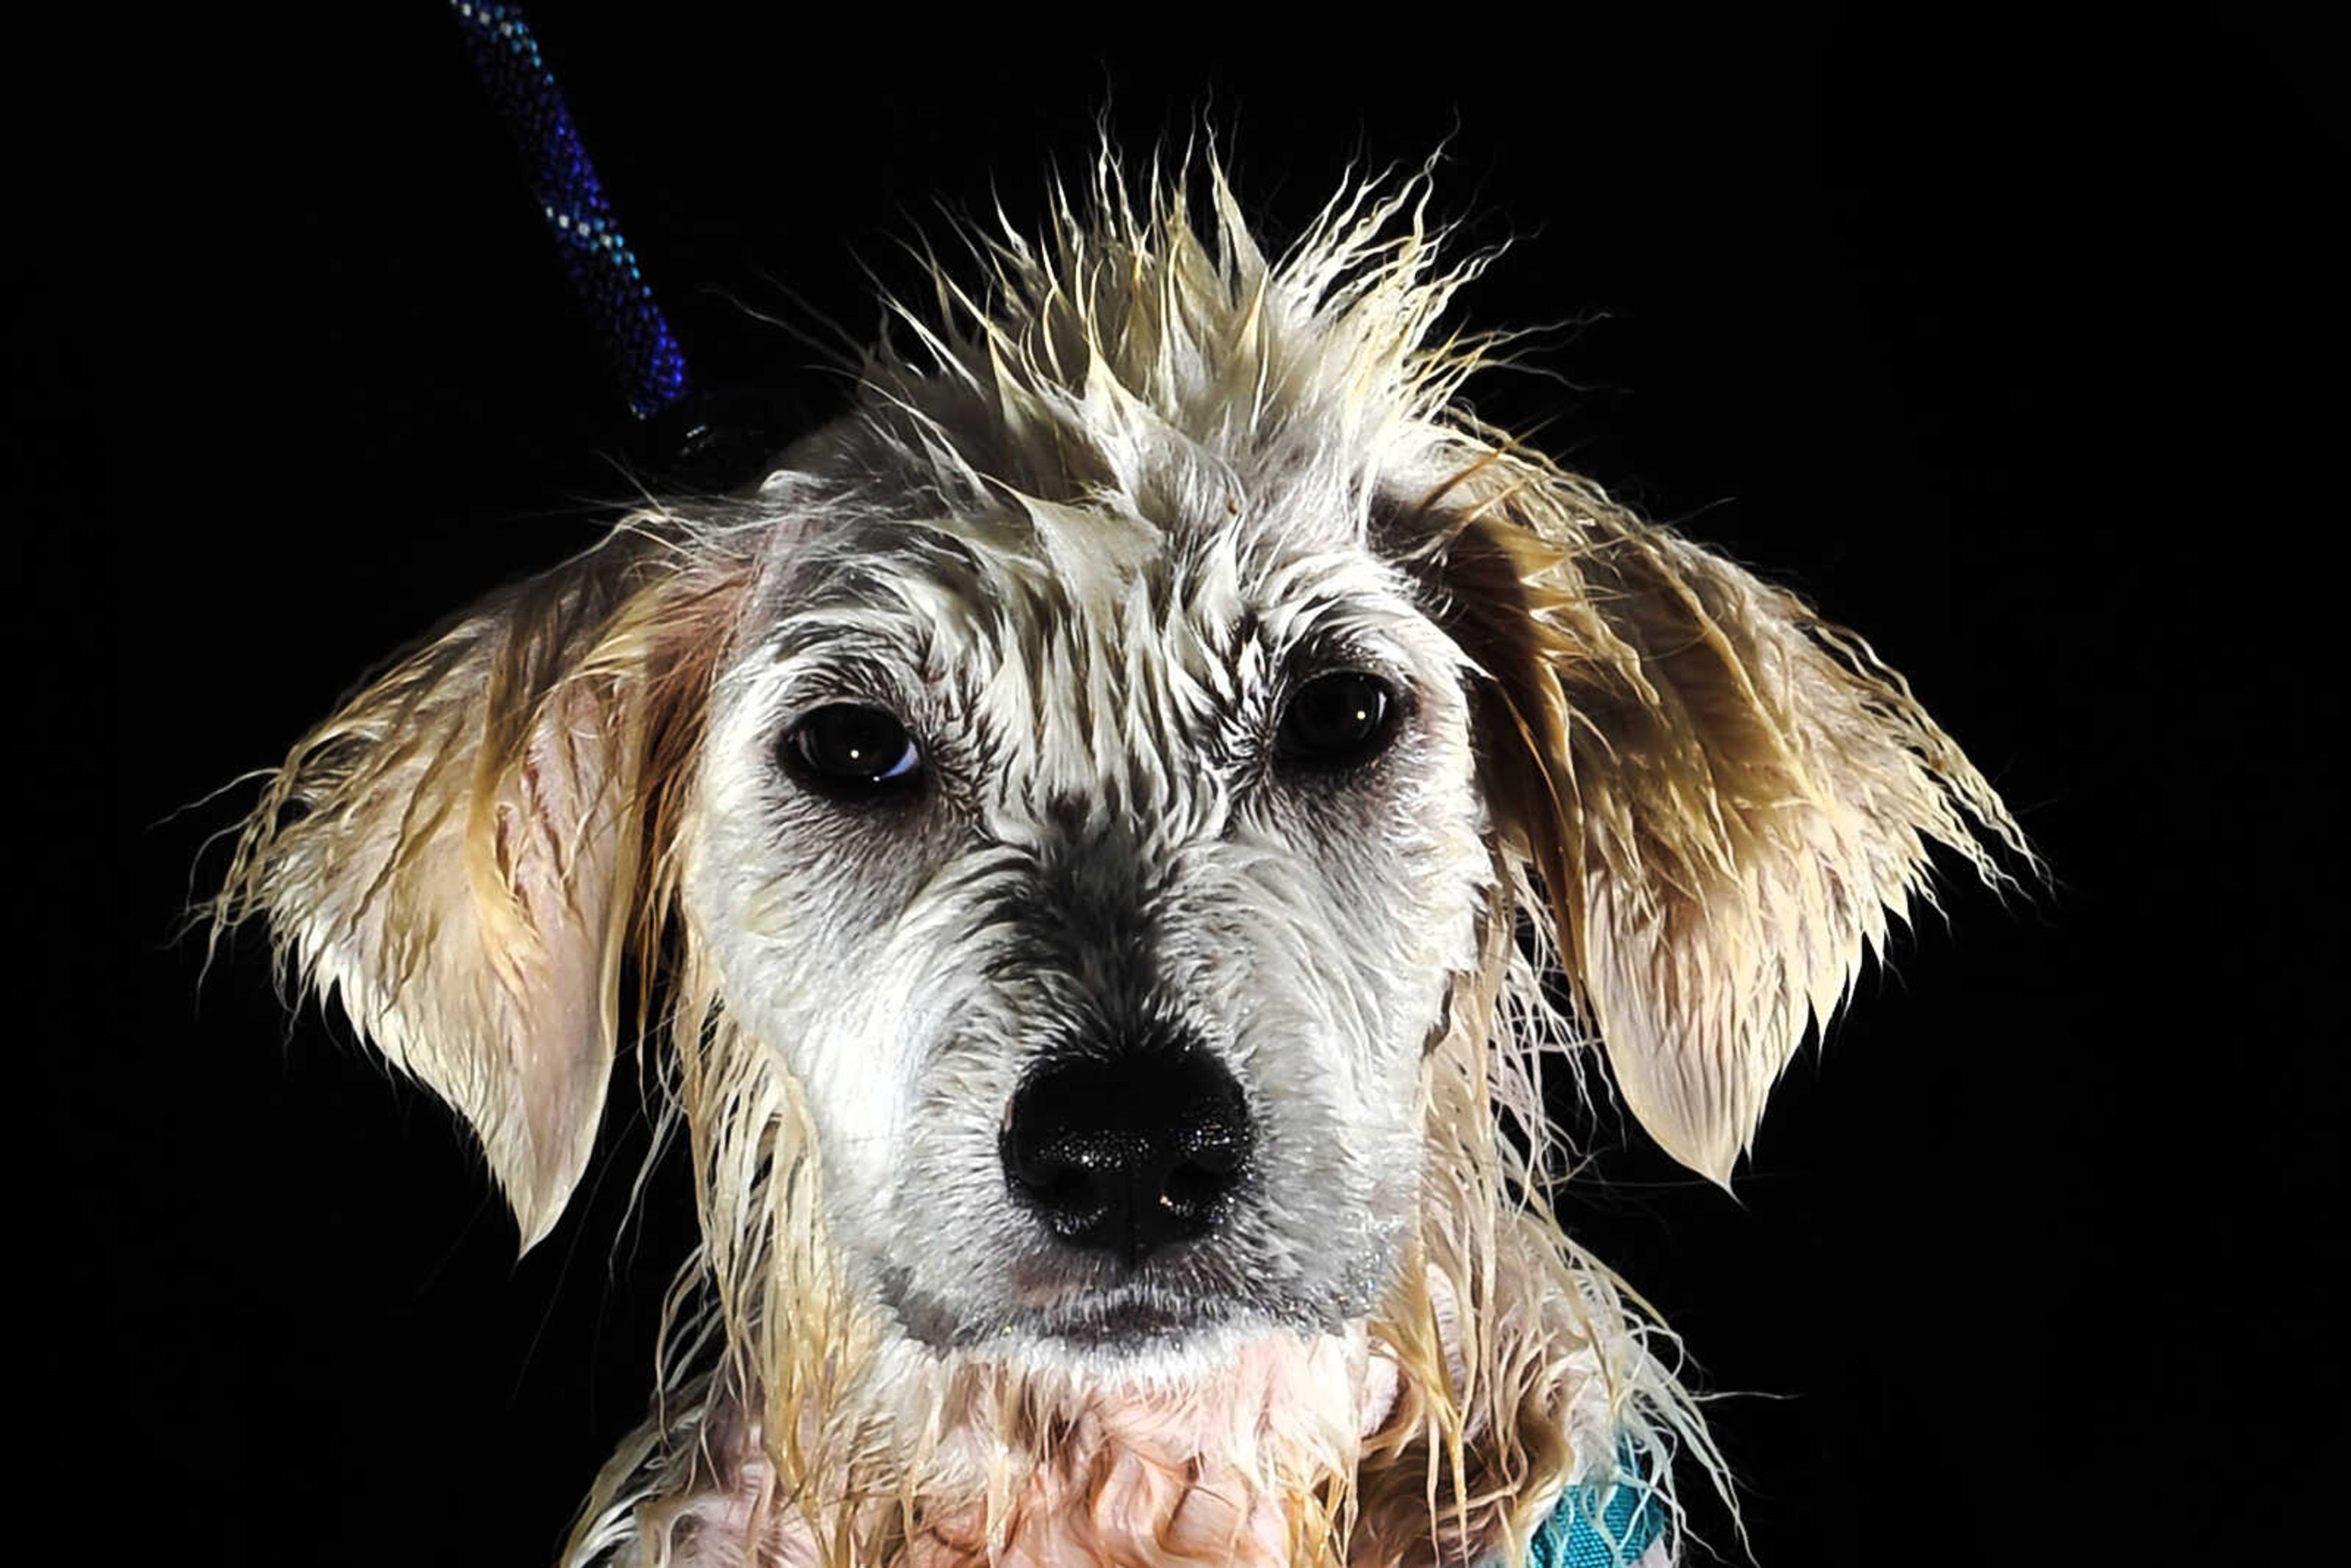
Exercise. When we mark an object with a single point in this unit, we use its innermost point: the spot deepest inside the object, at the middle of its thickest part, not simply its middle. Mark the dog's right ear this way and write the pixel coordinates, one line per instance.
(460, 854)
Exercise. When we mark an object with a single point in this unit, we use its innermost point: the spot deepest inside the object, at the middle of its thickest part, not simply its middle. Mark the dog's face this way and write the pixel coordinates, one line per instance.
(1100, 878)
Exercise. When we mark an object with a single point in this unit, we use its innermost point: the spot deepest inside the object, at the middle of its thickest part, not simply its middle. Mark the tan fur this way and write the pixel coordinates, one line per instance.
(1741, 794)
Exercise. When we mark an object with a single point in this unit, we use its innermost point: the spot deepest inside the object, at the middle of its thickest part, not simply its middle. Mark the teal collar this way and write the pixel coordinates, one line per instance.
(1604, 1524)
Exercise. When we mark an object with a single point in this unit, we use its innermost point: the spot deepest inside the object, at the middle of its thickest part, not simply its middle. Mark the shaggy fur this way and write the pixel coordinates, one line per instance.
(1082, 539)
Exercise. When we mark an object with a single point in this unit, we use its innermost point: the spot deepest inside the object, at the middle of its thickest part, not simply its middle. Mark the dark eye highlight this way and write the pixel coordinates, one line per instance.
(850, 749)
(1337, 719)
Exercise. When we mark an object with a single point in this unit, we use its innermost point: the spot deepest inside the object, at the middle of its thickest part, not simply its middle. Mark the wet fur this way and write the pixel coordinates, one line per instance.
(1080, 532)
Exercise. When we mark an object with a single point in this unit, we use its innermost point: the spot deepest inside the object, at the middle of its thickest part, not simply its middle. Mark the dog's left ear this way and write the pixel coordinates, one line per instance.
(460, 854)
(1724, 797)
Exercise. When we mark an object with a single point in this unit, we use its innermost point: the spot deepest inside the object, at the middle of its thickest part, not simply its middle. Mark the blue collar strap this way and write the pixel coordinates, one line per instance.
(1605, 1524)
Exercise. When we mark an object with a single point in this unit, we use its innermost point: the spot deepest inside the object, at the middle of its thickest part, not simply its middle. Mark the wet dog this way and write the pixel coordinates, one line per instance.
(1122, 816)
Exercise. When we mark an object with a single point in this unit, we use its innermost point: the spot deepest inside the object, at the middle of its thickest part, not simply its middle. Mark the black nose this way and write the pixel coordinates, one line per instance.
(1129, 1153)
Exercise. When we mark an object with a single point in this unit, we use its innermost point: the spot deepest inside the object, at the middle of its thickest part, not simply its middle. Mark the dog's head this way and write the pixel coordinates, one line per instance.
(1094, 841)
(1094, 798)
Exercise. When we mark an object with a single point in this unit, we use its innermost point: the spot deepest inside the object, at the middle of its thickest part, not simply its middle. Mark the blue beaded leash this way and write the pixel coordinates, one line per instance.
(604, 271)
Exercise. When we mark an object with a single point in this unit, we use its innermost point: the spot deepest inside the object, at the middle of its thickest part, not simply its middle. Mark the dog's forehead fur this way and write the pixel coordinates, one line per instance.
(1186, 382)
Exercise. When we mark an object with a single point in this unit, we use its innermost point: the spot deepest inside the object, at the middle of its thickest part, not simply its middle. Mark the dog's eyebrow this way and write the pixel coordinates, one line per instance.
(1337, 621)
(830, 673)
(851, 623)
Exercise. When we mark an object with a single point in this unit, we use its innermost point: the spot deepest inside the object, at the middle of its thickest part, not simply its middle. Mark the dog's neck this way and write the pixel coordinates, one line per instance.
(1251, 1463)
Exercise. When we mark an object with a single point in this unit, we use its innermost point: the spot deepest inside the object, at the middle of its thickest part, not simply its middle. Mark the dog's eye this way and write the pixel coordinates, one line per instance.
(846, 747)
(1335, 719)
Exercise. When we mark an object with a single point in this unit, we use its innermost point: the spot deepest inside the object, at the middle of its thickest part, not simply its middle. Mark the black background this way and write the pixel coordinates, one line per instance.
(2014, 340)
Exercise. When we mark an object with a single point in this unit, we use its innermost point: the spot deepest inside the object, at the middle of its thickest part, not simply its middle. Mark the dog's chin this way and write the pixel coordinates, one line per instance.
(1127, 1331)
(1137, 1333)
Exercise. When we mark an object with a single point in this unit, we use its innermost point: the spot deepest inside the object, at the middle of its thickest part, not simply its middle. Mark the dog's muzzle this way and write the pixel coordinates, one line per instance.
(1128, 1154)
